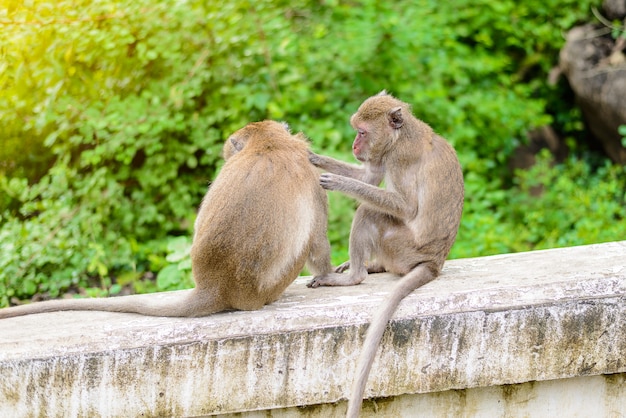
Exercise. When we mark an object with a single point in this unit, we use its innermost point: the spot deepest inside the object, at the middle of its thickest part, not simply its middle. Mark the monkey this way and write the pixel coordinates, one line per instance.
(408, 227)
(263, 217)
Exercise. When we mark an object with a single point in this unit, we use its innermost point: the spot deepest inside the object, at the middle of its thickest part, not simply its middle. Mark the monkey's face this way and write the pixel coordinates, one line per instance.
(371, 143)
(377, 122)
(360, 146)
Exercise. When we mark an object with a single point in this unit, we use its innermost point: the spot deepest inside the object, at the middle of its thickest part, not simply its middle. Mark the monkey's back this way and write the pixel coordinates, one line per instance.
(440, 208)
(253, 240)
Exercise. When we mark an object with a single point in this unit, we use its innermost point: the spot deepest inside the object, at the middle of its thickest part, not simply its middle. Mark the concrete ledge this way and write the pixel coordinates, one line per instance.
(486, 322)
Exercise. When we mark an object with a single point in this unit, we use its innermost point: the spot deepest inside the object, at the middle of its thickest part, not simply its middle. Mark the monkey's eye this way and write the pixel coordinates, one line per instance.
(361, 132)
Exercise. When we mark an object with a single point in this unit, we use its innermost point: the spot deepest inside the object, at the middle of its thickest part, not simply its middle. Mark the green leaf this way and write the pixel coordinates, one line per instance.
(168, 277)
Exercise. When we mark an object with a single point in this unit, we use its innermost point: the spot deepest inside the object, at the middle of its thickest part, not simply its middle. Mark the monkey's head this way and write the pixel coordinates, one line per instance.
(257, 130)
(378, 123)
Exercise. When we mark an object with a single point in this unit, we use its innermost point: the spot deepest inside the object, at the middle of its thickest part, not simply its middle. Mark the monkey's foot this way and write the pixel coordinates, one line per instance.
(372, 268)
(376, 268)
(336, 279)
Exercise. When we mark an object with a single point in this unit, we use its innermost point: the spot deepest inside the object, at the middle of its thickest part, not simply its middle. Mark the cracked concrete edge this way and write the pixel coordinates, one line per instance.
(486, 321)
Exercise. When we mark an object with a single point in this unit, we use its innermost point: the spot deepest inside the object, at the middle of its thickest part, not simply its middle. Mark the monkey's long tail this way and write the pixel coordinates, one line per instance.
(180, 303)
(417, 277)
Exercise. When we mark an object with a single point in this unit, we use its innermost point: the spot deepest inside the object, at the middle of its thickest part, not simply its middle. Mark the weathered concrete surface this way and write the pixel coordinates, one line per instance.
(488, 321)
(601, 396)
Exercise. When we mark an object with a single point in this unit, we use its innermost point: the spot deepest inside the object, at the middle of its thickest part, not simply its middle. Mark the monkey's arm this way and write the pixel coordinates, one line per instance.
(389, 202)
(338, 167)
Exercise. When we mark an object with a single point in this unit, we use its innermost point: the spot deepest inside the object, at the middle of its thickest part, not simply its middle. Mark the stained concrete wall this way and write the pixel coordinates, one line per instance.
(508, 335)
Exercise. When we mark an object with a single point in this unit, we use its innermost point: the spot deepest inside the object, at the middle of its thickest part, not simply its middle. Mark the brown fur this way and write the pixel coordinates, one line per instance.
(407, 228)
(263, 217)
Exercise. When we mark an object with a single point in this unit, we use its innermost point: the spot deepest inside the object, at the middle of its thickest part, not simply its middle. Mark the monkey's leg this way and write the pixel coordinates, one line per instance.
(363, 237)
(318, 260)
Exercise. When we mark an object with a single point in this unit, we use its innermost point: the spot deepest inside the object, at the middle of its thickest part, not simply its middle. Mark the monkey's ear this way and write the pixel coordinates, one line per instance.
(395, 118)
(383, 93)
(286, 126)
(237, 145)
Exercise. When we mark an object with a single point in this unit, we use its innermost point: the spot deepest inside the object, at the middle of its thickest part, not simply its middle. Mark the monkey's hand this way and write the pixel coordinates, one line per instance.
(330, 181)
(343, 267)
(315, 159)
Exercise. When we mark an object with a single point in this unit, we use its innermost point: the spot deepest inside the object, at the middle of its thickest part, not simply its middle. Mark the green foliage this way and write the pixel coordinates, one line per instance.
(176, 275)
(594, 210)
(113, 114)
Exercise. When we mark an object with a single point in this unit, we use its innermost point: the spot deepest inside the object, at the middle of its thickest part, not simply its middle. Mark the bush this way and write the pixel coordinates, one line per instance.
(569, 204)
(114, 113)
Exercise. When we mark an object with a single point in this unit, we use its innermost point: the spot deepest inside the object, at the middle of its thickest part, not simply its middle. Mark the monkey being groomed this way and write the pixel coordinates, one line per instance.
(408, 227)
(262, 219)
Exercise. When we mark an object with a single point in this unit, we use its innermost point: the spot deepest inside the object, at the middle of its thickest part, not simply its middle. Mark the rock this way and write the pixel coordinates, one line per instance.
(614, 9)
(591, 62)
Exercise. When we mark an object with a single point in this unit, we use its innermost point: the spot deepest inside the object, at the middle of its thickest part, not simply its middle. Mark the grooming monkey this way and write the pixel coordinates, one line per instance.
(262, 218)
(408, 227)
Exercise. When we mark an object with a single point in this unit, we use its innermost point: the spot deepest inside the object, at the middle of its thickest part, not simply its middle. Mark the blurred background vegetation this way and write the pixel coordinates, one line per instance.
(113, 114)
